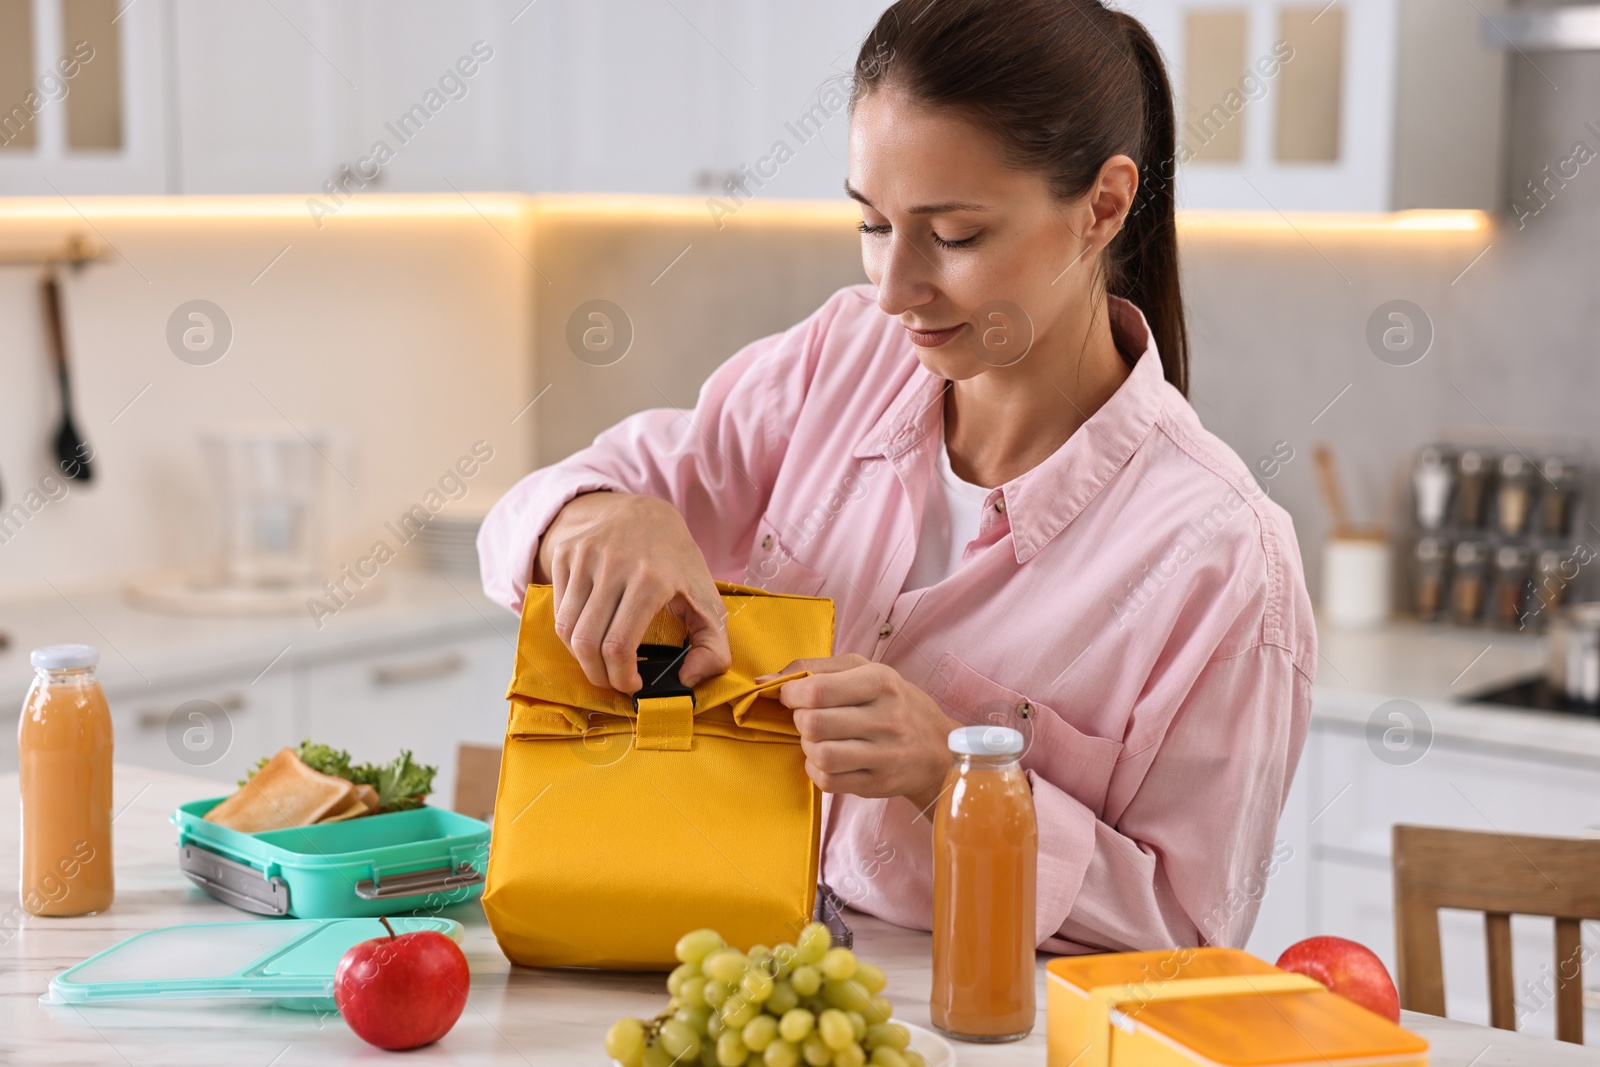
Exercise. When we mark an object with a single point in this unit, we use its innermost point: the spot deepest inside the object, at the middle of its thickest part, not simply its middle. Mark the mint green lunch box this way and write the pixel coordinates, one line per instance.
(393, 864)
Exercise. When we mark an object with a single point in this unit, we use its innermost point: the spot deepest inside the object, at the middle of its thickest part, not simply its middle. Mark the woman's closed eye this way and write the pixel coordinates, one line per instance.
(942, 242)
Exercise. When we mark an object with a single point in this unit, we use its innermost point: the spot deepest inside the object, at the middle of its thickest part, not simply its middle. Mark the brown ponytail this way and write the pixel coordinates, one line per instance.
(1145, 253)
(1063, 85)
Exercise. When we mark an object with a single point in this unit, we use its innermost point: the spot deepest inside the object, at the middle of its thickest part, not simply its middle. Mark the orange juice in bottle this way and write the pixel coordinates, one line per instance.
(64, 752)
(985, 859)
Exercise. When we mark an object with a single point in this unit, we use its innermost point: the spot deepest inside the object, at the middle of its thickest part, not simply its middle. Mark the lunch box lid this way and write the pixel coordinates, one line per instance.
(1210, 1005)
(281, 959)
(1246, 1029)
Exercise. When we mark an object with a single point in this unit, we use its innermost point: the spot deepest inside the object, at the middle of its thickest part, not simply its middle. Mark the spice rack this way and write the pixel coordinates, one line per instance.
(1496, 533)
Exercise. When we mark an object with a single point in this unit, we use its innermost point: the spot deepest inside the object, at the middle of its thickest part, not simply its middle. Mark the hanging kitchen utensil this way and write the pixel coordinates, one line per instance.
(72, 452)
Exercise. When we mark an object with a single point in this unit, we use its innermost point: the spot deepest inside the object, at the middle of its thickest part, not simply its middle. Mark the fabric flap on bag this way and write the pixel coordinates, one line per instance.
(551, 696)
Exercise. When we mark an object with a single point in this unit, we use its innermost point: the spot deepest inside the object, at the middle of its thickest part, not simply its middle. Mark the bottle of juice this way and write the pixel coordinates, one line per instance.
(985, 860)
(64, 751)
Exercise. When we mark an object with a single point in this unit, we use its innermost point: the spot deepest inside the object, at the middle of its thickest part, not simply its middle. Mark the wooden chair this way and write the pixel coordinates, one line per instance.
(1499, 875)
(477, 778)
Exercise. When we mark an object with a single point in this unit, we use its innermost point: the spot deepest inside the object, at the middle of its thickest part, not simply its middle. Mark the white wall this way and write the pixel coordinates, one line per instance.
(404, 321)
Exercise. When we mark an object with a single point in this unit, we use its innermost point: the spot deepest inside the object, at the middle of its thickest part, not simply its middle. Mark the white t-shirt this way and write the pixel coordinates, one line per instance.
(949, 521)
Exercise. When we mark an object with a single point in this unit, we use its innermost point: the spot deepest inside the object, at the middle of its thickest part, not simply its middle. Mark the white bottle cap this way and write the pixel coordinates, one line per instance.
(986, 741)
(64, 657)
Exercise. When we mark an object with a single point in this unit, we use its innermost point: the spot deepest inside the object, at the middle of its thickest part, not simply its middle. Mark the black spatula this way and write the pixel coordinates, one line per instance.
(72, 452)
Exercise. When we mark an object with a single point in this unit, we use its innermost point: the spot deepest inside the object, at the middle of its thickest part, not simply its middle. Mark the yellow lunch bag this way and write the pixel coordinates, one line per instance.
(623, 822)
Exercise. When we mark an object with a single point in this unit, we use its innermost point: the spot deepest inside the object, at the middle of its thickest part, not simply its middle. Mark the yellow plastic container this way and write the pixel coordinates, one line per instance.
(1217, 1007)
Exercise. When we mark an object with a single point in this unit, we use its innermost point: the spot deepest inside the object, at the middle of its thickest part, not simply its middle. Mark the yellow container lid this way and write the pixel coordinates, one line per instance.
(1159, 965)
(1265, 1030)
(1216, 1007)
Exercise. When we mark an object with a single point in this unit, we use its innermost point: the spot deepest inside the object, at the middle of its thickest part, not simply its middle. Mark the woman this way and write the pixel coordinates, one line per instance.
(986, 459)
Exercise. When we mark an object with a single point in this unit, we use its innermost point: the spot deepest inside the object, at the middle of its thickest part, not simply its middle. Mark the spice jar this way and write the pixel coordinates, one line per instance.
(1553, 573)
(1428, 577)
(1472, 487)
(1510, 586)
(1514, 495)
(1433, 480)
(1558, 486)
(1467, 586)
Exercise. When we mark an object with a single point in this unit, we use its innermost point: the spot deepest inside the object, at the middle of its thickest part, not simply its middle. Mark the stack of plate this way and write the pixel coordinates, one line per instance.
(449, 541)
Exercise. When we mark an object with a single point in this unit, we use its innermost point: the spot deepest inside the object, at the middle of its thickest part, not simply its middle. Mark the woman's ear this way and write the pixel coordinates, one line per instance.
(1111, 198)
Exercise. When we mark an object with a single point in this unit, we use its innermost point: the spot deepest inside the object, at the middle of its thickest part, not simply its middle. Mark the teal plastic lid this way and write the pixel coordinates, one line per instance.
(282, 959)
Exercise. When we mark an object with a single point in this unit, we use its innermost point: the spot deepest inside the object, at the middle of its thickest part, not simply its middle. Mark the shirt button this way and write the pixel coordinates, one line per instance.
(1000, 504)
(766, 542)
(885, 630)
(1025, 710)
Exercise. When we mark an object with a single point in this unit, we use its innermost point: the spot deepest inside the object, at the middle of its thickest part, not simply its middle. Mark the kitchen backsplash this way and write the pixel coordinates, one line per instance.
(1280, 326)
(408, 331)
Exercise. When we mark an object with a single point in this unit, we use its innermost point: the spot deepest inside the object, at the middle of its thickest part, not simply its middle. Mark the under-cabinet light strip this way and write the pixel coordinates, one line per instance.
(322, 209)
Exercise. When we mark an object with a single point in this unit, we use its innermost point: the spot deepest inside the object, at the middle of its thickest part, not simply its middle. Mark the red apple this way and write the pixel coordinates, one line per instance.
(402, 992)
(1349, 969)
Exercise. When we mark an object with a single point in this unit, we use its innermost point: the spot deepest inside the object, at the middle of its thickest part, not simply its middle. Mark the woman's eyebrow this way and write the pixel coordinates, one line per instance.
(923, 209)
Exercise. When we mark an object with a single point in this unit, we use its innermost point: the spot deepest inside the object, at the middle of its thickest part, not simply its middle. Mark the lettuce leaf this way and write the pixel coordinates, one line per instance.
(401, 784)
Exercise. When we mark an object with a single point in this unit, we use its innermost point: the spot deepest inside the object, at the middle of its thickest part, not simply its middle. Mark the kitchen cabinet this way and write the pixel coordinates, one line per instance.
(1453, 784)
(418, 56)
(285, 97)
(637, 95)
(37, 153)
(260, 101)
(426, 692)
(683, 98)
(610, 96)
(807, 57)
(426, 696)
(216, 729)
(1353, 105)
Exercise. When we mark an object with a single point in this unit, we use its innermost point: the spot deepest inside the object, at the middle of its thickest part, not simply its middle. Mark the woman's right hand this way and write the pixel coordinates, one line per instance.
(615, 560)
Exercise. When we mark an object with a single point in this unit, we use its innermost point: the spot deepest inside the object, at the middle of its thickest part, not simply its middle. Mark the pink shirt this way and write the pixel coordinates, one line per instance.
(1134, 604)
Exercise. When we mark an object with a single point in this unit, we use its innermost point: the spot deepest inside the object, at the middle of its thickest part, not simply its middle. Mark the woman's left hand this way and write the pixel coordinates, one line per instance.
(866, 730)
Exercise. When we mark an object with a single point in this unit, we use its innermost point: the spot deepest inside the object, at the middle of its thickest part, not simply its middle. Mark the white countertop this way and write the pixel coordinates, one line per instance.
(1432, 663)
(140, 647)
(514, 1015)
(1438, 667)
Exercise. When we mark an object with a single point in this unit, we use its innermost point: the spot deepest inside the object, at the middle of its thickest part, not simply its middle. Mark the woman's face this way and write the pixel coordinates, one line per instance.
(980, 262)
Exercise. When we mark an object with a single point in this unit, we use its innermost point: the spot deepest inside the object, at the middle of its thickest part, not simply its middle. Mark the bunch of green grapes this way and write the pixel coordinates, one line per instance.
(797, 1004)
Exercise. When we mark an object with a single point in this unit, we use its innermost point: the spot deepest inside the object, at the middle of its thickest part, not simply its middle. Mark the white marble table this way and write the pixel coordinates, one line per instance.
(514, 1015)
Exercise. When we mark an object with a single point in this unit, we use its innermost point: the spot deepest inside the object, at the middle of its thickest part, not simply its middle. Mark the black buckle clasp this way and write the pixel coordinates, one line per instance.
(658, 669)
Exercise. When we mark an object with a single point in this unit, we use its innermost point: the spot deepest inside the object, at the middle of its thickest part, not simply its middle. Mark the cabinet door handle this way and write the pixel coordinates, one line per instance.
(418, 671)
(156, 718)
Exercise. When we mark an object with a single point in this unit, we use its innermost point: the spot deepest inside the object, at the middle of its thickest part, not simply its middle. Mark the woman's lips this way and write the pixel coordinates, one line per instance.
(933, 338)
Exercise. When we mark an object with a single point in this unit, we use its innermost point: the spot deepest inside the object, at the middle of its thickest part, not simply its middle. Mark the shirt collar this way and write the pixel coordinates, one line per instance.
(1040, 502)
